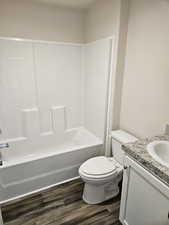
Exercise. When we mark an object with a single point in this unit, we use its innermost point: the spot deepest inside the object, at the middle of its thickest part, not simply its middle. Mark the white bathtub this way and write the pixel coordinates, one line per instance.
(29, 168)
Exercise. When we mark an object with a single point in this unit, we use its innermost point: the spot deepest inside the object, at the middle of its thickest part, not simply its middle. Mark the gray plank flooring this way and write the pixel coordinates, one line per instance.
(62, 205)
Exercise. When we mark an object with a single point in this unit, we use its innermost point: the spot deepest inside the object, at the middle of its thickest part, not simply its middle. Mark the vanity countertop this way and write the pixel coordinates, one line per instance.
(139, 153)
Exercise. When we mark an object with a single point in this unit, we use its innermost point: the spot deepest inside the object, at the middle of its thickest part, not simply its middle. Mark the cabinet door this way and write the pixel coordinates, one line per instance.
(145, 200)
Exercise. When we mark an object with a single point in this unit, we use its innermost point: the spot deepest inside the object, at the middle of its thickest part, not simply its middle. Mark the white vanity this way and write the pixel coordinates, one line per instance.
(145, 192)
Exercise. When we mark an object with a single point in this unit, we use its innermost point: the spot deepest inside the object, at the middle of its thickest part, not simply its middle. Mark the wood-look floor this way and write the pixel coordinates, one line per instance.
(62, 205)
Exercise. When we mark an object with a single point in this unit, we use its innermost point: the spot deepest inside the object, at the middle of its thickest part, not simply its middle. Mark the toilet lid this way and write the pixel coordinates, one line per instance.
(98, 166)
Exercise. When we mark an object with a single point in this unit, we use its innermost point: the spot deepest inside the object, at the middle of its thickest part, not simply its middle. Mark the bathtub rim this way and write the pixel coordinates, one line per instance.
(28, 158)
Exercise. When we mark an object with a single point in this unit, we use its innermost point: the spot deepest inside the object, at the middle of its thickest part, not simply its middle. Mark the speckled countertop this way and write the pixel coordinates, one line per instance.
(138, 152)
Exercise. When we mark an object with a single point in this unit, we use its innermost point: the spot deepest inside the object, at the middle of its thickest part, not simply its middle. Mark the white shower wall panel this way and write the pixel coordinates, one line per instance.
(41, 88)
(17, 86)
(47, 88)
(59, 81)
(96, 69)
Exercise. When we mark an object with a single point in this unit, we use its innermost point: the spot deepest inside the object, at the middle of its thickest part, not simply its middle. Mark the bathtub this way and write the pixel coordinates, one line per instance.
(29, 167)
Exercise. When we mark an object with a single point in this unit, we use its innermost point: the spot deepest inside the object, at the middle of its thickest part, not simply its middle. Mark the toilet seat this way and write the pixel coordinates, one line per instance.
(98, 168)
(101, 177)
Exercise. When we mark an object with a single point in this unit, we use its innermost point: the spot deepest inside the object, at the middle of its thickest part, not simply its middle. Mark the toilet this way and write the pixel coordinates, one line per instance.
(101, 174)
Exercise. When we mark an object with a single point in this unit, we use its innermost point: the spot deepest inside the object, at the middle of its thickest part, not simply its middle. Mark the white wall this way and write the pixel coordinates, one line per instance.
(145, 98)
(102, 19)
(24, 19)
(41, 21)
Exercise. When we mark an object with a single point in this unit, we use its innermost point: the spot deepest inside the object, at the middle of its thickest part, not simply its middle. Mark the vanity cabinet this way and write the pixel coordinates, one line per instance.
(145, 199)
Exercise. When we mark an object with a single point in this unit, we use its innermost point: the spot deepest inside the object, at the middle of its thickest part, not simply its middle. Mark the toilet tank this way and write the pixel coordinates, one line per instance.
(120, 137)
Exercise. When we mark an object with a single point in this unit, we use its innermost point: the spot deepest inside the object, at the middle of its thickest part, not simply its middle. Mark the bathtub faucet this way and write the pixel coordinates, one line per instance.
(4, 145)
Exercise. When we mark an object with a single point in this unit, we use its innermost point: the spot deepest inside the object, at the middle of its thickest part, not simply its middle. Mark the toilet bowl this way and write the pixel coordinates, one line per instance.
(101, 174)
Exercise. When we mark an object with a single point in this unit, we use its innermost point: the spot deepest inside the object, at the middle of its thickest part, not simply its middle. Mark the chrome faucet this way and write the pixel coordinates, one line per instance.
(2, 146)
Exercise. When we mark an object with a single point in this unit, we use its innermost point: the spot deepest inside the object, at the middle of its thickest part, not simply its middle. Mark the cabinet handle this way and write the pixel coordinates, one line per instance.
(168, 215)
(125, 167)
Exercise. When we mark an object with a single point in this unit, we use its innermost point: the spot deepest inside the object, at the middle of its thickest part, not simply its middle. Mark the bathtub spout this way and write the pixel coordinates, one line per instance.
(1, 162)
(2, 146)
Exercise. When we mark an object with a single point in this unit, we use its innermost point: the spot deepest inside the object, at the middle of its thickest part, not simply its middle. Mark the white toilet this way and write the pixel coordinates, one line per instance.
(102, 174)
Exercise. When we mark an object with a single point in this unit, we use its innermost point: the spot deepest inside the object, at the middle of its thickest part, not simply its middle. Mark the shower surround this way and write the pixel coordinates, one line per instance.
(54, 103)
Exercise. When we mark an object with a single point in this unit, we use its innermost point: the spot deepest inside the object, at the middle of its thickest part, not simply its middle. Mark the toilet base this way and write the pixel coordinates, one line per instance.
(95, 194)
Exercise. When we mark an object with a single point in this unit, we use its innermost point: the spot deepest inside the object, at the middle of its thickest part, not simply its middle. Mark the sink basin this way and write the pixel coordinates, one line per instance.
(159, 150)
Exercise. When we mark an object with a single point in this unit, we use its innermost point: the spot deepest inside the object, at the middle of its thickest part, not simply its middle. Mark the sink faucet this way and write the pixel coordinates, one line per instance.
(3, 145)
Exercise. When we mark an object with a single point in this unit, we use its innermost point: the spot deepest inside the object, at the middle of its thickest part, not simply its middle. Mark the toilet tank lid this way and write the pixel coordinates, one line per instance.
(123, 137)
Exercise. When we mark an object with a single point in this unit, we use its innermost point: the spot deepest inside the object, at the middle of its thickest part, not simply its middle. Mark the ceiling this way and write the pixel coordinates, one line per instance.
(81, 4)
